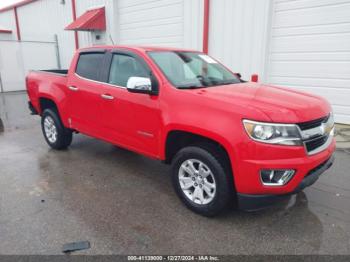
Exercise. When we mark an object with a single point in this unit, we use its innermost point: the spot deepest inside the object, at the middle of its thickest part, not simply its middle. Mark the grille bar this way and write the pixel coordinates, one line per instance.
(313, 123)
(318, 134)
(315, 143)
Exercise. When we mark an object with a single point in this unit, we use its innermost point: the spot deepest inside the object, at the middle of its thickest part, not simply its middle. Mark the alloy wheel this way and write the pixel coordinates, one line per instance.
(50, 129)
(197, 181)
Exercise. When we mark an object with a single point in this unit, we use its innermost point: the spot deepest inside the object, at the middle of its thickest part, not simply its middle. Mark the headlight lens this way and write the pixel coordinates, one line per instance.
(282, 134)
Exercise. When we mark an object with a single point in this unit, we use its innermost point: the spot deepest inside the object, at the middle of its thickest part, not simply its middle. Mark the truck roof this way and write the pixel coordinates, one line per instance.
(138, 48)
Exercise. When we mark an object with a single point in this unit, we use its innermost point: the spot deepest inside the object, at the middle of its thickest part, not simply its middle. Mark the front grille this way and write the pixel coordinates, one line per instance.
(316, 143)
(316, 134)
(313, 123)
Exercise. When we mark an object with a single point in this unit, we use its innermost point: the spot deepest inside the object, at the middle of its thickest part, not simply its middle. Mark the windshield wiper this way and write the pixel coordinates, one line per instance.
(190, 87)
(229, 82)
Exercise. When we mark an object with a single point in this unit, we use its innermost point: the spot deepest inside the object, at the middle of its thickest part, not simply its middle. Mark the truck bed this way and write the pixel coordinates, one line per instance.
(55, 71)
(45, 83)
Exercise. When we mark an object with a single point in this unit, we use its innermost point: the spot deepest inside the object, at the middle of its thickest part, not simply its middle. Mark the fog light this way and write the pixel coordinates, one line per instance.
(273, 177)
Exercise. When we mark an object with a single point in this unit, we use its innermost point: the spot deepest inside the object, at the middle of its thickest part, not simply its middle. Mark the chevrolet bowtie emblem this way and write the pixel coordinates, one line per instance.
(323, 129)
(326, 128)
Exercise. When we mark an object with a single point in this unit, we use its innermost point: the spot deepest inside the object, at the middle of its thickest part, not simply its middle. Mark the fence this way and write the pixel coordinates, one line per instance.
(18, 57)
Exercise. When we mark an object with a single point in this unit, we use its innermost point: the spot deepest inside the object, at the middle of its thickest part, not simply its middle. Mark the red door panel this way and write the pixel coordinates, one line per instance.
(131, 120)
(84, 97)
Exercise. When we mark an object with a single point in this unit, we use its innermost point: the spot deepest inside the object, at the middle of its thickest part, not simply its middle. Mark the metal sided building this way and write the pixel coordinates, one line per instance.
(302, 44)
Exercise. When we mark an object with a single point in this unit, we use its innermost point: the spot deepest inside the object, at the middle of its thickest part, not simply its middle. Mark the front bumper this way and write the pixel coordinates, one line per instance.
(255, 157)
(255, 202)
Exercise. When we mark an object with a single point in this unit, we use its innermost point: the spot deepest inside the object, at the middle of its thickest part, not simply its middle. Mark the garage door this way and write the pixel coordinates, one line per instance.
(151, 22)
(310, 50)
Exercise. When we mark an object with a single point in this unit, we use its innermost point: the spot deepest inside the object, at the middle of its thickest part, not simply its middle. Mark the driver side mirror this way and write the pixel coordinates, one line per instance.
(141, 85)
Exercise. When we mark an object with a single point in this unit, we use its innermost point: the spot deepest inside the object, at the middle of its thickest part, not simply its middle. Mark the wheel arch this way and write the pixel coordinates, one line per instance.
(177, 139)
(195, 133)
(47, 103)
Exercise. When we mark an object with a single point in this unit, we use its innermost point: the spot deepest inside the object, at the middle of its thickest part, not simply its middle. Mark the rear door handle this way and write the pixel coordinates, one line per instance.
(73, 88)
(107, 97)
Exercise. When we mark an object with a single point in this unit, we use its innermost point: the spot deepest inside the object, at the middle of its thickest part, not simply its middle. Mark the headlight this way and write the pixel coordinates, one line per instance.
(281, 134)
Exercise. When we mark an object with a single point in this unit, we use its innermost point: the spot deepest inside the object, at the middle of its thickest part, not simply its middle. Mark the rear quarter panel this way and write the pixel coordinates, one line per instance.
(50, 86)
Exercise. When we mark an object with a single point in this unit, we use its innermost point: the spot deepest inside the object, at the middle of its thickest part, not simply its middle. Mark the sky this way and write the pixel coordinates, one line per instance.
(4, 3)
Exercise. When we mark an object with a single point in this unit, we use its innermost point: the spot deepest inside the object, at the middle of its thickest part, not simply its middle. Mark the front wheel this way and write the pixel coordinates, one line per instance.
(56, 135)
(200, 180)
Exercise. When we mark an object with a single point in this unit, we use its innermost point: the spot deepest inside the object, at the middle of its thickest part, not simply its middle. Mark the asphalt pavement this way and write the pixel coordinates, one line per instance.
(123, 203)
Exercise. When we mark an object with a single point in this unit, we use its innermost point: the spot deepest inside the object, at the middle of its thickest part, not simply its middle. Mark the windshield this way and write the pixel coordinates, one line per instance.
(192, 69)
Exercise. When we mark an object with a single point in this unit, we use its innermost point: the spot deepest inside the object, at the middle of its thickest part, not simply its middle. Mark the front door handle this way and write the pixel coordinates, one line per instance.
(107, 97)
(73, 88)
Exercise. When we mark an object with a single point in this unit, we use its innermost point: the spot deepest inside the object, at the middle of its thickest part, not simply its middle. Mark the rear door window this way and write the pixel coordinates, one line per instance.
(89, 65)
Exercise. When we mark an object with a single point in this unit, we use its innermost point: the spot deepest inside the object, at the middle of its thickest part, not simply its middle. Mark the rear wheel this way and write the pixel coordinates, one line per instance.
(56, 135)
(200, 180)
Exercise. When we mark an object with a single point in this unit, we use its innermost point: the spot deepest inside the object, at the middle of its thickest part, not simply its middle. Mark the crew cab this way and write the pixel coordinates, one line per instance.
(229, 142)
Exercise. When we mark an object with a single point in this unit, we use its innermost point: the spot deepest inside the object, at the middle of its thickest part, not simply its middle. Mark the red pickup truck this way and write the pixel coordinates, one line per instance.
(228, 141)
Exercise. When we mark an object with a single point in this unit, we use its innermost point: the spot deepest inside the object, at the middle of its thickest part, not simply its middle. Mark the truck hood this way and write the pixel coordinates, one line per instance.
(280, 105)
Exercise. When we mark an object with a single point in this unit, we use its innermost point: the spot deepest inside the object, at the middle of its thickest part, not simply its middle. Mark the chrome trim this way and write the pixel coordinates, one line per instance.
(107, 97)
(278, 141)
(73, 88)
(326, 128)
(267, 123)
(98, 82)
(321, 130)
(312, 132)
(289, 177)
(323, 147)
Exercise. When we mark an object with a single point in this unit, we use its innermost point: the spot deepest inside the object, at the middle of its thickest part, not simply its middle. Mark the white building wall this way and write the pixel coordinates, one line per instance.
(193, 24)
(41, 20)
(17, 58)
(86, 38)
(151, 22)
(310, 50)
(238, 34)
(300, 44)
(176, 23)
(7, 21)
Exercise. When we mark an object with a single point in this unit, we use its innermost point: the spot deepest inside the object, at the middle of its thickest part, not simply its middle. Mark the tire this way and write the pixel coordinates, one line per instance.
(56, 135)
(210, 203)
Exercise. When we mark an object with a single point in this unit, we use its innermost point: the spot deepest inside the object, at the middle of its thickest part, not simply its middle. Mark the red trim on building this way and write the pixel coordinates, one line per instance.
(74, 11)
(19, 4)
(206, 26)
(17, 24)
(5, 31)
(94, 19)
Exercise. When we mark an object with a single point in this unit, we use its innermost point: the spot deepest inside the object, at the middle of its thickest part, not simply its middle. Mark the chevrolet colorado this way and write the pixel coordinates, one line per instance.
(228, 141)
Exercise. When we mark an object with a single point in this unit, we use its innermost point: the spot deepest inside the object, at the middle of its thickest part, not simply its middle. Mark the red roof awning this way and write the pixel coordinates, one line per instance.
(91, 20)
(5, 31)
